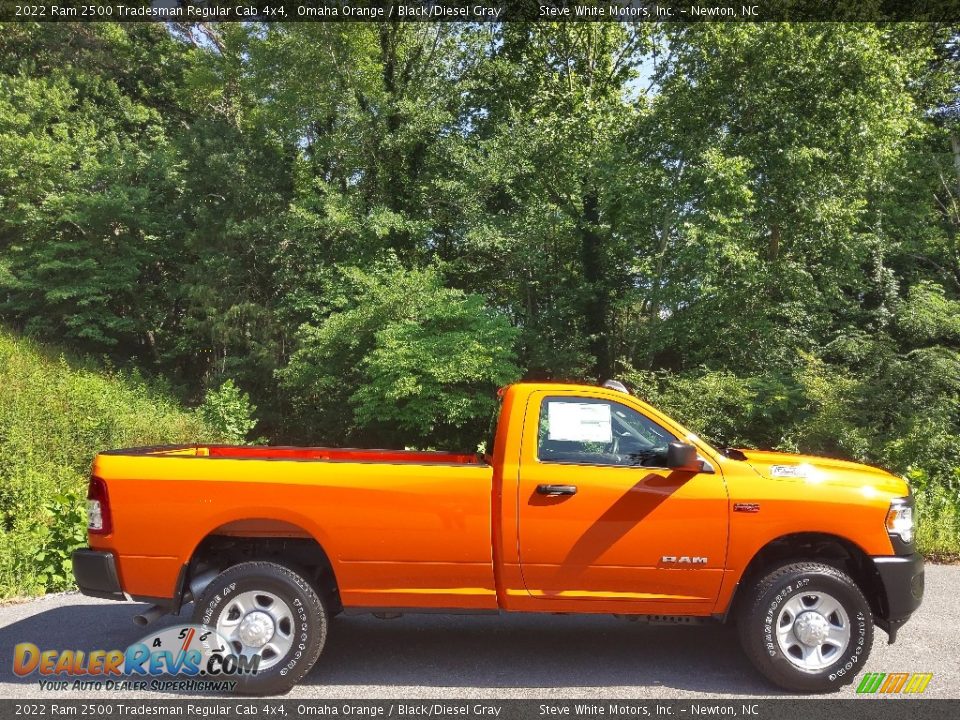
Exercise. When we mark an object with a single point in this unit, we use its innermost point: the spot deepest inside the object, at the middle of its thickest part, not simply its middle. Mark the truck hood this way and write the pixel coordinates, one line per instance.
(818, 470)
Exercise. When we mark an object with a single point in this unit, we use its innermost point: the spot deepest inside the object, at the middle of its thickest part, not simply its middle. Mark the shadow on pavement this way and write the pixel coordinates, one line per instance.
(423, 651)
(534, 651)
(76, 627)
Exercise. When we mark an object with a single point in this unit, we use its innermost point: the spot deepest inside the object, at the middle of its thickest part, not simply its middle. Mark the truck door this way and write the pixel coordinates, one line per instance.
(601, 518)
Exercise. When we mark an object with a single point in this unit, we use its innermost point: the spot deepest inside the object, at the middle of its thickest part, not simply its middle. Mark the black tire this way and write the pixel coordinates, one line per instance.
(764, 608)
(309, 628)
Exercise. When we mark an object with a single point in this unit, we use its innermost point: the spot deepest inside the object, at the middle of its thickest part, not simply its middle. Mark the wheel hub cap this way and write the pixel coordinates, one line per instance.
(256, 629)
(811, 628)
(258, 622)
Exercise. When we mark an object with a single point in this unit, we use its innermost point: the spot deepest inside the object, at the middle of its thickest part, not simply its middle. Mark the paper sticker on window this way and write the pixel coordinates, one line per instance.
(579, 422)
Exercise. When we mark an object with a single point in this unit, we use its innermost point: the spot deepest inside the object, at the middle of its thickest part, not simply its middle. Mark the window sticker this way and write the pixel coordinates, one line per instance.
(579, 422)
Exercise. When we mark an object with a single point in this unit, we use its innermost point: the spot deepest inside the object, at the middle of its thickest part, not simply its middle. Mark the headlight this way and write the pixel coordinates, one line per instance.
(900, 519)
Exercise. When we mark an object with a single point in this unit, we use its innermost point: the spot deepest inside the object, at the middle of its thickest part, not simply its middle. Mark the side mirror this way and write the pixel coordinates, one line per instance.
(683, 456)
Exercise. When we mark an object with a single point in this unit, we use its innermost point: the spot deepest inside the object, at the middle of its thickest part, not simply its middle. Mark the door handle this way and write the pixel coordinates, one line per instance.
(554, 490)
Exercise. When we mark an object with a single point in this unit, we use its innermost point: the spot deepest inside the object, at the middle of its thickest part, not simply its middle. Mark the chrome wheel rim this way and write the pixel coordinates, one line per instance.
(258, 623)
(813, 630)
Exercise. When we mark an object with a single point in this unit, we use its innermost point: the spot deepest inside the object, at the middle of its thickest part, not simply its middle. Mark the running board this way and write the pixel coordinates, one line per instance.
(668, 619)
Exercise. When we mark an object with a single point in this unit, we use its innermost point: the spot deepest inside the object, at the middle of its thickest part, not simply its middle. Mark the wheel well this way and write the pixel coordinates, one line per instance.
(828, 549)
(275, 541)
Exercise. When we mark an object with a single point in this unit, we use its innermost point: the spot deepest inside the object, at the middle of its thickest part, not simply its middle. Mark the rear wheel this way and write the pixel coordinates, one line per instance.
(807, 627)
(266, 610)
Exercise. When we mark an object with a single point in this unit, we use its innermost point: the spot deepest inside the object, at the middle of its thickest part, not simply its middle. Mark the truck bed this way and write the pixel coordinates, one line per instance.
(400, 527)
(253, 452)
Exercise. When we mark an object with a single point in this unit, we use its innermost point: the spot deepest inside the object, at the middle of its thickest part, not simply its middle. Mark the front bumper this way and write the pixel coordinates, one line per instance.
(96, 574)
(902, 580)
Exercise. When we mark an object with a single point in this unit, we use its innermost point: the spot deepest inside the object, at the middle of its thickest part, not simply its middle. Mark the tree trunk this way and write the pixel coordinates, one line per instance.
(666, 224)
(955, 143)
(596, 307)
(773, 243)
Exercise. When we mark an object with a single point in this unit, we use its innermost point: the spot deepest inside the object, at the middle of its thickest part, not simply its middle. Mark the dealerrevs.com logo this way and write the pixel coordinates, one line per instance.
(184, 657)
(888, 683)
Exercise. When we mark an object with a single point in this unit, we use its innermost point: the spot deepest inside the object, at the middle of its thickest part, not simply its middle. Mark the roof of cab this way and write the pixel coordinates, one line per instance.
(554, 384)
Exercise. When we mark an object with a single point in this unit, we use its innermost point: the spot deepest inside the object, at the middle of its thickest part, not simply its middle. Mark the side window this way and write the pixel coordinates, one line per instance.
(589, 431)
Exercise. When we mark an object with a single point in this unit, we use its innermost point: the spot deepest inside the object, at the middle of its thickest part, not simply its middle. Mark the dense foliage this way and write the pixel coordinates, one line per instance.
(54, 415)
(367, 228)
(412, 360)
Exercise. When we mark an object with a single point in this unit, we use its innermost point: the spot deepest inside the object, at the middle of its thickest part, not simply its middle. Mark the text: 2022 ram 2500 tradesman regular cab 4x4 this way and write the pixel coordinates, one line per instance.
(591, 502)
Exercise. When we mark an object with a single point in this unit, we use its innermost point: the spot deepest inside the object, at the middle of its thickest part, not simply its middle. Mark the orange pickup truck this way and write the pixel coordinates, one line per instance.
(590, 501)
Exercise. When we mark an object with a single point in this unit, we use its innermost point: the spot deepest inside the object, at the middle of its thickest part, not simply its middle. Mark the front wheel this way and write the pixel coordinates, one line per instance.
(807, 627)
(266, 610)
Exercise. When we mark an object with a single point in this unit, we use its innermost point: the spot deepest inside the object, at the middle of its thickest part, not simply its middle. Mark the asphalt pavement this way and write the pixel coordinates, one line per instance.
(507, 656)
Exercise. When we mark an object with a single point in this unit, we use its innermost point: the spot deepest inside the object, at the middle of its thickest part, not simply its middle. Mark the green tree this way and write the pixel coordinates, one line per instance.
(403, 360)
(773, 141)
(89, 184)
(546, 118)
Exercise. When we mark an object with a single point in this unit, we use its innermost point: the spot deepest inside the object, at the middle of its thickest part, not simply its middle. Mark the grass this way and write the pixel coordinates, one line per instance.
(55, 415)
(938, 525)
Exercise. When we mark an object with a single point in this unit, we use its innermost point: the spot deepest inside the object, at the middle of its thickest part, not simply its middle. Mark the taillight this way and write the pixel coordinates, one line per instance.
(98, 507)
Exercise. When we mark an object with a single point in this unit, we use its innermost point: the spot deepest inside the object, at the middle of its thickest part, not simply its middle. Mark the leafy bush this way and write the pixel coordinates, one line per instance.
(228, 410)
(730, 410)
(938, 516)
(54, 417)
(66, 531)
